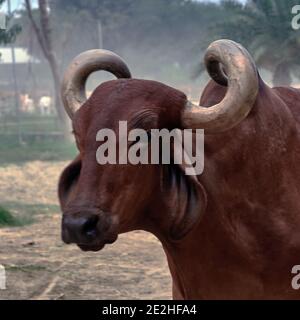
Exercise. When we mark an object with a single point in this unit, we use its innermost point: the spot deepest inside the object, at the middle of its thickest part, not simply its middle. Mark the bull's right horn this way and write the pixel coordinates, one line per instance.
(239, 73)
(73, 84)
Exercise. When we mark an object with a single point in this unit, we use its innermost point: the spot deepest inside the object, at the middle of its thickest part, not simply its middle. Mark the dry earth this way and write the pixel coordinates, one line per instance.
(40, 266)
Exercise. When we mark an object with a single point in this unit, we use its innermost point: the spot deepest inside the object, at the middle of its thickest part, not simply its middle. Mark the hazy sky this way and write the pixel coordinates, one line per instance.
(17, 4)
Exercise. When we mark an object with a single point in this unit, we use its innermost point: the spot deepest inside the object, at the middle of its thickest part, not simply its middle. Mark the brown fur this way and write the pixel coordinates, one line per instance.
(230, 233)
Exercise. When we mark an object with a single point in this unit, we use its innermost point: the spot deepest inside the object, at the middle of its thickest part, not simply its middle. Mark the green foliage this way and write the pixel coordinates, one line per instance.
(153, 36)
(148, 34)
(17, 214)
(46, 150)
(264, 27)
(6, 219)
(10, 34)
(42, 140)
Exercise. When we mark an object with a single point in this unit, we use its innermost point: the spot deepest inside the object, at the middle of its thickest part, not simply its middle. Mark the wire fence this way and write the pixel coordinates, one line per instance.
(28, 125)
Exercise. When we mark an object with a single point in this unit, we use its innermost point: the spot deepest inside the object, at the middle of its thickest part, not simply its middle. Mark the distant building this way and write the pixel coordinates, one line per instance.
(24, 65)
(21, 54)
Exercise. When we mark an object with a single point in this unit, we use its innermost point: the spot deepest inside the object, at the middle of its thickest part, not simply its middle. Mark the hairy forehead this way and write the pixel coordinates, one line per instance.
(140, 102)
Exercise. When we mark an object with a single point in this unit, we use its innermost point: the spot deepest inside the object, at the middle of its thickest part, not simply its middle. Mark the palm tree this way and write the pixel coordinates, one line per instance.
(264, 27)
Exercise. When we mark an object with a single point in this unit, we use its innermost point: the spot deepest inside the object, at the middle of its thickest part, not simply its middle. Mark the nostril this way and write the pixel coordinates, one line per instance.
(80, 228)
(90, 227)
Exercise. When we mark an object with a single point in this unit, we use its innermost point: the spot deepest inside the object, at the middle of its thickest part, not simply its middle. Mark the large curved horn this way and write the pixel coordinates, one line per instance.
(73, 84)
(240, 74)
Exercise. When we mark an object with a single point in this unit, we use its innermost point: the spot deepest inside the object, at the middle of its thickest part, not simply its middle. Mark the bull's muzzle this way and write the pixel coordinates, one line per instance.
(89, 231)
(82, 229)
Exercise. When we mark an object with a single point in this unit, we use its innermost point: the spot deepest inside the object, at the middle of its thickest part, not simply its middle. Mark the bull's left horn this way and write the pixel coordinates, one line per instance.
(242, 79)
(73, 84)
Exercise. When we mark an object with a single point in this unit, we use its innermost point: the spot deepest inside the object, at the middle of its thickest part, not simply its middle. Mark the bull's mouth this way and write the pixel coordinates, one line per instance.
(94, 247)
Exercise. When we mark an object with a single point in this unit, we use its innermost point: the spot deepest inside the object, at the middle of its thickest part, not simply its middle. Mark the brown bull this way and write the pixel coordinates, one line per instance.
(232, 232)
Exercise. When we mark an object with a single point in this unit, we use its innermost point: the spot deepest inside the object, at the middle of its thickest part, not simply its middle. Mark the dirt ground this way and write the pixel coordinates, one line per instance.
(39, 266)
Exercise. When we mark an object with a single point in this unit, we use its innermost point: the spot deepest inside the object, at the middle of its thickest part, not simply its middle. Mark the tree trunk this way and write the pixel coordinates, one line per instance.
(282, 76)
(43, 34)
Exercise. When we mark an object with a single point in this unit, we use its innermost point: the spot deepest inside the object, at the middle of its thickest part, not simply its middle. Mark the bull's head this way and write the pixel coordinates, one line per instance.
(101, 201)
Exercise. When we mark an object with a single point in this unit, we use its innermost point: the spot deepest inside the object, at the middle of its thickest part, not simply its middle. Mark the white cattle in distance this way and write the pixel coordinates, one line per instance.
(45, 105)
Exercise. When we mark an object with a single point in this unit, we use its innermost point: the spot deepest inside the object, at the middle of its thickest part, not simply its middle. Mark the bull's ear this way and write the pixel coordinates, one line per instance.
(68, 180)
(186, 199)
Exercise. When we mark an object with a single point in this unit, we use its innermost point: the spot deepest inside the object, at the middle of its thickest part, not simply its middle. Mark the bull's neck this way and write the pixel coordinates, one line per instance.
(238, 168)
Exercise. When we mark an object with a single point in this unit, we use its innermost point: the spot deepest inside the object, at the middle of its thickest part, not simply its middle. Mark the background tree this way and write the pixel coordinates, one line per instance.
(43, 33)
(264, 27)
(10, 34)
(159, 39)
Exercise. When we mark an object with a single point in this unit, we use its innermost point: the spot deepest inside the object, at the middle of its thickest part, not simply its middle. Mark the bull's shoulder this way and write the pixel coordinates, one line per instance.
(291, 97)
